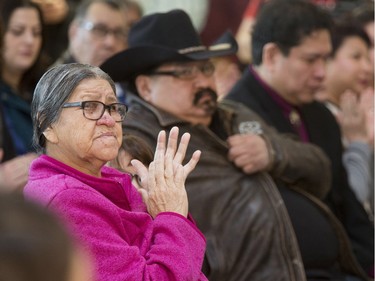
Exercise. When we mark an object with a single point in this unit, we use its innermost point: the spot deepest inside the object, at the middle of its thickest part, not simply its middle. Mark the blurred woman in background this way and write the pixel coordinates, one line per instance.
(22, 64)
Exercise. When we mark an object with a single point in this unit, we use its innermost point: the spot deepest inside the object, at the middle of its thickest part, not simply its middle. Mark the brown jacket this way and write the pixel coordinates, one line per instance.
(248, 230)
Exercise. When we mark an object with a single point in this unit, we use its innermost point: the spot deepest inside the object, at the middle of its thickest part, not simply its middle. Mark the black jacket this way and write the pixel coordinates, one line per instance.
(323, 131)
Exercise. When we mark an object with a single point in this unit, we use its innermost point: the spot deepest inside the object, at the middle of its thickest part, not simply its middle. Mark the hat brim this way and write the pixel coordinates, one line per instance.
(128, 63)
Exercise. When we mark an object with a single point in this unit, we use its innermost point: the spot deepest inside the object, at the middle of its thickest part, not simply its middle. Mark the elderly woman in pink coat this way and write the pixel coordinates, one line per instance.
(132, 235)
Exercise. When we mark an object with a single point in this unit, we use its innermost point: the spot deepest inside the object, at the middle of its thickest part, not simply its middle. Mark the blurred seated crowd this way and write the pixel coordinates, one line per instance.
(187, 140)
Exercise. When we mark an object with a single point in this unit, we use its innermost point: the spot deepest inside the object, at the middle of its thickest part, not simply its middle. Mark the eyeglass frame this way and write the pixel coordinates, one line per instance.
(178, 73)
(101, 30)
(81, 105)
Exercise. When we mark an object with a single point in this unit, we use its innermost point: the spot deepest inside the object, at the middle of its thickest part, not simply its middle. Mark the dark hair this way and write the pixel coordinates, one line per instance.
(32, 75)
(364, 13)
(137, 148)
(135, 7)
(286, 23)
(53, 90)
(83, 7)
(34, 245)
(1, 44)
(343, 30)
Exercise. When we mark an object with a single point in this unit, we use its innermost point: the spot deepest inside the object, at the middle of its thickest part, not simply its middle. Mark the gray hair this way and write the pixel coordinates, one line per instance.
(53, 89)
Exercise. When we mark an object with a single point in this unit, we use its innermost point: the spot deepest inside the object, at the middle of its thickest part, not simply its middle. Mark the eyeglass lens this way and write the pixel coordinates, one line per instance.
(191, 71)
(101, 31)
(188, 72)
(94, 110)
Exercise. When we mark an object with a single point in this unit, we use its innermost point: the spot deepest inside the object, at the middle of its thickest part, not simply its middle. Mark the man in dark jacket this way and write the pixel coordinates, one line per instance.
(290, 45)
(232, 196)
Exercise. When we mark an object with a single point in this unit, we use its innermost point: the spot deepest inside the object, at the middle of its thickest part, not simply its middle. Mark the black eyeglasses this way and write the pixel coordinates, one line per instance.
(188, 72)
(94, 110)
(101, 31)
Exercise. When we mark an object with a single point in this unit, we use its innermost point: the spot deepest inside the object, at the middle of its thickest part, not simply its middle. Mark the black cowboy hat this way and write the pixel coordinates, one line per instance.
(164, 37)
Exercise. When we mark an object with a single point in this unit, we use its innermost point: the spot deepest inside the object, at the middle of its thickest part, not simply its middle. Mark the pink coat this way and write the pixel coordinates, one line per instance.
(108, 216)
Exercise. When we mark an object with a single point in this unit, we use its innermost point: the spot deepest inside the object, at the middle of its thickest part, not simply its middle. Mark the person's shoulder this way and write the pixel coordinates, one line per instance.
(7, 92)
(48, 178)
(64, 58)
(247, 90)
(45, 188)
(236, 107)
(140, 115)
(319, 110)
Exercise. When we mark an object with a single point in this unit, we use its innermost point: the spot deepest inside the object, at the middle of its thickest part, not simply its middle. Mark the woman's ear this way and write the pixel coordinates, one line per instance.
(50, 135)
(142, 83)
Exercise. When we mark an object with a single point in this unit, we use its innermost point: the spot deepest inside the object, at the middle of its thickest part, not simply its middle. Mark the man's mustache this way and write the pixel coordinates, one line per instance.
(204, 92)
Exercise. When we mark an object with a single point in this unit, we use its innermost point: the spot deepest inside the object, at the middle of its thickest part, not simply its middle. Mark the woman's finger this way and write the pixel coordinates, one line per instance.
(182, 148)
(159, 160)
(190, 166)
(170, 154)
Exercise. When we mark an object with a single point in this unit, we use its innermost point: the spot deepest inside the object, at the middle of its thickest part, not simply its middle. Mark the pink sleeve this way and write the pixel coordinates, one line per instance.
(130, 245)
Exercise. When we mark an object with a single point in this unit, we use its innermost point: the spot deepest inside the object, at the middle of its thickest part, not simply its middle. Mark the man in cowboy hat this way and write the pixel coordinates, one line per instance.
(232, 196)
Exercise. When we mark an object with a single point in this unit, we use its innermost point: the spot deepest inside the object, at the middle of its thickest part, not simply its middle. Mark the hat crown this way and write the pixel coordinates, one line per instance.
(160, 38)
(172, 30)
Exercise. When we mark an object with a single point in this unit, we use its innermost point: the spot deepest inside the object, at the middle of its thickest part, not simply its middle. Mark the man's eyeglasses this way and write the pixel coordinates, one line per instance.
(101, 31)
(188, 72)
(94, 110)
